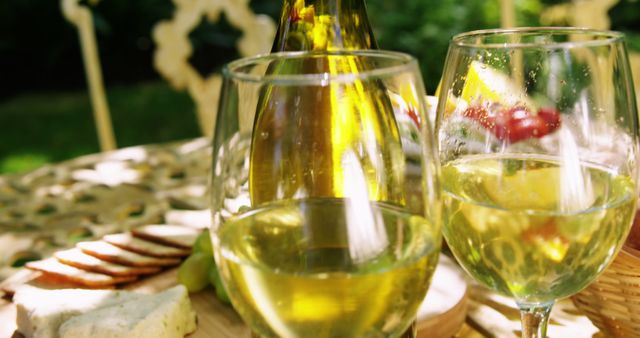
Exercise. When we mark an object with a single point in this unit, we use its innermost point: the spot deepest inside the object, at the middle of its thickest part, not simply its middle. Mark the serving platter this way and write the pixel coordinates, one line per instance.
(85, 198)
(441, 315)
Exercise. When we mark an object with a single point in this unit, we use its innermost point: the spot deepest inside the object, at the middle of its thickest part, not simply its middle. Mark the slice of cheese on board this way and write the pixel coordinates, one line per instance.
(164, 315)
(40, 312)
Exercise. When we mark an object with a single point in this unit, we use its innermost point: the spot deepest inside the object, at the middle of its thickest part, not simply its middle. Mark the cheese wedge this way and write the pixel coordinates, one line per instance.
(69, 273)
(114, 254)
(174, 235)
(129, 242)
(41, 312)
(77, 258)
(164, 315)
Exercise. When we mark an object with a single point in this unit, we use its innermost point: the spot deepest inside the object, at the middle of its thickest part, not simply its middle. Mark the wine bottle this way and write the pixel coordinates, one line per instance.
(323, 25)
(330, 121)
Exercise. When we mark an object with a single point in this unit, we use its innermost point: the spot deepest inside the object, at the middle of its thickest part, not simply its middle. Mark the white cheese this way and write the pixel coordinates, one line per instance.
(41, 312)
(164, 315)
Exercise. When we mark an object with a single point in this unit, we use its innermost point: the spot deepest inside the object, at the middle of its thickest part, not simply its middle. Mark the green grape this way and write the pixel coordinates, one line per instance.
(203, 243)
(216, 281)
(193, 271)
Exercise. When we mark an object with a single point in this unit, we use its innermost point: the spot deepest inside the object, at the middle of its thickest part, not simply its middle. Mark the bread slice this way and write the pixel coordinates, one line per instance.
(76, 258)
(114, 254)
(39, 312)
(69, 273)
(164, 315)
(128, 242)
(197, 219)
(173, 235)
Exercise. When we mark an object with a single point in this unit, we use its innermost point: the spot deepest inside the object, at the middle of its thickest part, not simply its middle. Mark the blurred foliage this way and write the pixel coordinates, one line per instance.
(625, 17)
(51, 127)
(39, 49)
(423, 28)
(44, 109)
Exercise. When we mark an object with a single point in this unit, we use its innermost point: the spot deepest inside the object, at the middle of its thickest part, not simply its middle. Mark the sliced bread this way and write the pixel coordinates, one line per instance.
(77, 258)
(129, 242)
(174, 235)
(71, 274)
(114, 254)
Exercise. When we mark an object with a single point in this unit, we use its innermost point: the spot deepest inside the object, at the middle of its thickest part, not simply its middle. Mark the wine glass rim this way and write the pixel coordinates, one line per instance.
(607, 37)
(234, 69)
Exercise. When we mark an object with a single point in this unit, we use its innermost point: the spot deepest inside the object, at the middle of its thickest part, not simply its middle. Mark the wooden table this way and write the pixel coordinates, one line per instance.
(113, 191)
(489, 315)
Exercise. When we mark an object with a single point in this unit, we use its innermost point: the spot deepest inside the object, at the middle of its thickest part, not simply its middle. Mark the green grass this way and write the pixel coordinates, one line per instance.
(44, 128)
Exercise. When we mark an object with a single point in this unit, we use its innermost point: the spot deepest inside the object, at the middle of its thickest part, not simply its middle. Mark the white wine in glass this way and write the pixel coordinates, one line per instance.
(326, 218)
(538, 140)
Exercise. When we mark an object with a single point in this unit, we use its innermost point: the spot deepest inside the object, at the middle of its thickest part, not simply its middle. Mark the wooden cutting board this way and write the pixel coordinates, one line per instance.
(441, 315)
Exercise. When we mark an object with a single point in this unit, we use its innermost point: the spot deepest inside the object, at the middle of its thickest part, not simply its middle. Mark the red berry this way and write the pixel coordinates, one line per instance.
(533, 126)
(480, 115)
(413, 115)
(515, 123)
(518, 113)
(551, 116)
(294, 15)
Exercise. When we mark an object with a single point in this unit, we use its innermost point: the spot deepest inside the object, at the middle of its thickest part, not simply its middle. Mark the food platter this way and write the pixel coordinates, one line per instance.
(442, 314)
(54, 207)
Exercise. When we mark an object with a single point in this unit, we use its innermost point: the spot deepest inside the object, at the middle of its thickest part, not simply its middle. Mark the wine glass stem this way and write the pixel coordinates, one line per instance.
(534, 319)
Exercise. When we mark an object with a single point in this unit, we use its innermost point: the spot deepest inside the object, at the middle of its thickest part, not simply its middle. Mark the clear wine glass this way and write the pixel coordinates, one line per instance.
(538, 139)
(326, 204)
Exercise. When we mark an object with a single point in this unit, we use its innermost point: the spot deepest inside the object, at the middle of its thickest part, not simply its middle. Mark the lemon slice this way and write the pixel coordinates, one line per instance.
(484, 83)
(525, 190)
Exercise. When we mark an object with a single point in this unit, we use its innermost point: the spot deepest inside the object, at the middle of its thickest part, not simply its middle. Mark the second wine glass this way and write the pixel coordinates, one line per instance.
(538, 138)
(325, 193)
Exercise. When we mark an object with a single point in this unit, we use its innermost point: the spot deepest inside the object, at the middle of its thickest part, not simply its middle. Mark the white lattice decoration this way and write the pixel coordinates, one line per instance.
(171, 58)
(81, 17)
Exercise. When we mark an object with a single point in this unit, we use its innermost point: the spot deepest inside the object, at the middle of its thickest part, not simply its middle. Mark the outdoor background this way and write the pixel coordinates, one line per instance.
(45, 113)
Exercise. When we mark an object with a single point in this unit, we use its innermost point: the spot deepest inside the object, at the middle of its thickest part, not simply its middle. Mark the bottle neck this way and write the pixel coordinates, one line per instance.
(324, 25)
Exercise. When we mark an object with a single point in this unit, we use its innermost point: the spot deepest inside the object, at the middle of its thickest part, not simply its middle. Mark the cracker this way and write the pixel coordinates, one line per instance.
(111, 253)
(174, 235)
(77, 258)
(129, 242)
(57, 269)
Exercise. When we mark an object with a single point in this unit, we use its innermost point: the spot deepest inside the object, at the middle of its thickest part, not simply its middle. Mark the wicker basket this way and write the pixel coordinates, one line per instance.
(612, 302)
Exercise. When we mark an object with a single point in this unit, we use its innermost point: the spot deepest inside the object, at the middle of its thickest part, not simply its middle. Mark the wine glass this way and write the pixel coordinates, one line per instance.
(538, 139)
(326, 204)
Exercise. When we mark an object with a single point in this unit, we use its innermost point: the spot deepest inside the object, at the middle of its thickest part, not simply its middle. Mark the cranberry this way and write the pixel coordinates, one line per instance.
(532, 126)
(480, 115)
(551, 116)
(413, 115)
(516, 123)
(294, 15)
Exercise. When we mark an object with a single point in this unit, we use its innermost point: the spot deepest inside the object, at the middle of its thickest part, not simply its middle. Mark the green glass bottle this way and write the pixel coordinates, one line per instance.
(331, 120)
(310, 166)
(324, 25)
